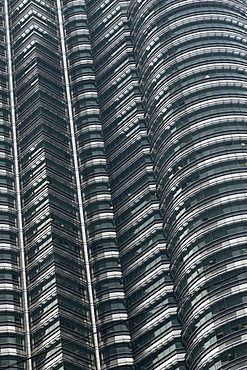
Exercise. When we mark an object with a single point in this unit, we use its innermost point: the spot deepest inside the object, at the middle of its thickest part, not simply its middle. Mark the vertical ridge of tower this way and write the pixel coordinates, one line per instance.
(18, 332)
(78, 188)
(58, 302)
(99, 217)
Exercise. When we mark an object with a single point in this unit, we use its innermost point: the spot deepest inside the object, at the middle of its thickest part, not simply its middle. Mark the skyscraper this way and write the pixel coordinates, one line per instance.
(123, 184)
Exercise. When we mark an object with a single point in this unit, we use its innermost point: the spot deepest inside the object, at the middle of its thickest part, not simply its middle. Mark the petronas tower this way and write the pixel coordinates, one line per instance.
(123, 184)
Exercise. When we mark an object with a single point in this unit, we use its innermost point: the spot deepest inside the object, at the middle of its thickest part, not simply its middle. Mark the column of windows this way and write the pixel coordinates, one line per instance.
(98, 208)
(145, 265)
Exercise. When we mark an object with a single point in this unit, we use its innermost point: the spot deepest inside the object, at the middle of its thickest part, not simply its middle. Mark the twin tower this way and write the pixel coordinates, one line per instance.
(123, 184)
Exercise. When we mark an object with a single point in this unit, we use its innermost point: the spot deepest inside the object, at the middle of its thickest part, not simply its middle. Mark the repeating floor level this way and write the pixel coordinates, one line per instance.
(123, 184)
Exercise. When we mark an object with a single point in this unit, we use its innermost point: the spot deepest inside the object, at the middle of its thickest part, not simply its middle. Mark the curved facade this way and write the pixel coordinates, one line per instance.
(192, 62)
(145, 264)
(123, 185)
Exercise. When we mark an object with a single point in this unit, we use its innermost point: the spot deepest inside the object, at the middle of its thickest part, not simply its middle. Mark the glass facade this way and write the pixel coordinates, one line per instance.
(192, 69)
(123, 184)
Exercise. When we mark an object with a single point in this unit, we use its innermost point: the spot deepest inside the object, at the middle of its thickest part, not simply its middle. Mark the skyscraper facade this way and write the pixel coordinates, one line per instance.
(123, 184)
